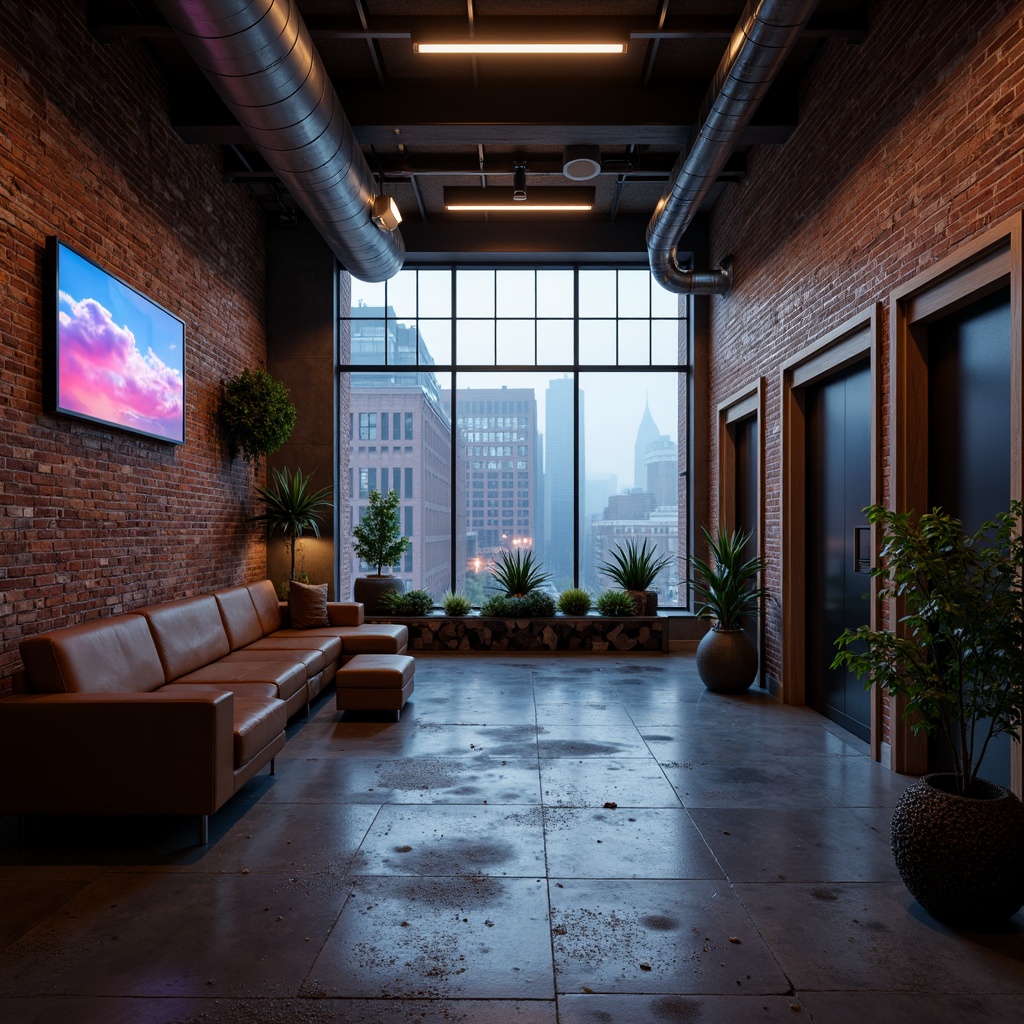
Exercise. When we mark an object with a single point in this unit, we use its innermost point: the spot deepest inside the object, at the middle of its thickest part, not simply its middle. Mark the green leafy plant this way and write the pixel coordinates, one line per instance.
(615, 602)
(292, 508)
(956, 655)
(378, 535)
(725, 585)
(455, 603)
(409, 602)
(574, 601)
(504, 606)
(633, 566)
(517, 573)
(257, 413)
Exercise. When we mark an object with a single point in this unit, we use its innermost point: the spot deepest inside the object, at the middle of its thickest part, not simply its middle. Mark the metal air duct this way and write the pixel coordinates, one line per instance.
(760, 45)
(259, 57)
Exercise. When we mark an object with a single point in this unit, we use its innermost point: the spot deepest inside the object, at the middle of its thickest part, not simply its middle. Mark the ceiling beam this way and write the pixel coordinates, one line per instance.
(525, 117)
(108, 21)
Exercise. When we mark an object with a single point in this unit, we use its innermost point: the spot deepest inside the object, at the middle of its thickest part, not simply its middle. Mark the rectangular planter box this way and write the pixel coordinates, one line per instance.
(639, 634)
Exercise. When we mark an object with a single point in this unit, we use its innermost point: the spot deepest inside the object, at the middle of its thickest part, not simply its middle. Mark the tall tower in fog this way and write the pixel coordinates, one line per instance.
(647, 434)
(559, 432)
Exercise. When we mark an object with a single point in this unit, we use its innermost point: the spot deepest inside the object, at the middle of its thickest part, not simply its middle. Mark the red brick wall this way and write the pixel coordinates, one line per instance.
(909, 144)
(96, 521)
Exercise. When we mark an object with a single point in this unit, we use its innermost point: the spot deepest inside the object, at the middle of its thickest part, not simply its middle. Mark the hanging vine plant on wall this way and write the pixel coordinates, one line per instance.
(257, 413)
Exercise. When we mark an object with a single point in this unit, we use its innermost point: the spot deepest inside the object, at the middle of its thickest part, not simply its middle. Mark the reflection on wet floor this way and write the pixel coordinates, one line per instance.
(539, 840)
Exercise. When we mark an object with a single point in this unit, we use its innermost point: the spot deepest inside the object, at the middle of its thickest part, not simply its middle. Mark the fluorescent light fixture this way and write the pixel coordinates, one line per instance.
(550, 199)
(474, 46)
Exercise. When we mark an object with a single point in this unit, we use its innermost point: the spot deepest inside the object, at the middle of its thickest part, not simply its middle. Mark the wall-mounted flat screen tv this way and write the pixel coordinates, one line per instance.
(113, 356)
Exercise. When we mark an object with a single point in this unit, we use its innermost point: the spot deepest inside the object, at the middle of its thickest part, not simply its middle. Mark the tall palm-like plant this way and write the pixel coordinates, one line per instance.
(517, 574)
(726, 584)
(292, 508)
(634, 566)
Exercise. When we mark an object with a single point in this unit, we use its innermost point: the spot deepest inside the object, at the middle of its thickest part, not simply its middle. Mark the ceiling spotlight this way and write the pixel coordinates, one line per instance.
(519, 184)
(581, 163)
(550, 199)
(385, 213)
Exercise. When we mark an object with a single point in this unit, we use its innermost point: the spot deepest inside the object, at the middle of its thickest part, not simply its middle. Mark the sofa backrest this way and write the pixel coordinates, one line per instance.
(238, 614)
(188, 634)
(115, 655)
(267, 605)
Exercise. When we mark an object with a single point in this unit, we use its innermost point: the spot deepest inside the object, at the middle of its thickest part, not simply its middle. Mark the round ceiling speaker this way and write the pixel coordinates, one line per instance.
(581, 163)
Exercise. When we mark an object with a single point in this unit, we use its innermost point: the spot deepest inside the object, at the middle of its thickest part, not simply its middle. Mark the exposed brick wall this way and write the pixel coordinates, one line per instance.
(96, 521)
(909, 144)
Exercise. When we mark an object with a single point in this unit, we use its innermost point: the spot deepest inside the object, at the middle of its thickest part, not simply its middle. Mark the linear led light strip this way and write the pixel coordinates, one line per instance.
(541, 48)
(519, 207)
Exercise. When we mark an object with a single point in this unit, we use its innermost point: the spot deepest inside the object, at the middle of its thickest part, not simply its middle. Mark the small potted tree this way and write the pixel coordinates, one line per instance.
(292, 508)
(956, 658)
(726, 656)
(378, 543)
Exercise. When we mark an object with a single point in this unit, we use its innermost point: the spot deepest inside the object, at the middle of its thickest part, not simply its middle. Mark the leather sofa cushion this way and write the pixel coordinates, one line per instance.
(268, 690)
(267, 605)
(115, 655)
(238, 614)
(257, 722)
(372, 638)
(289, 677)
(188, 634)
(300, 640)
(313, 658)
(377, 672)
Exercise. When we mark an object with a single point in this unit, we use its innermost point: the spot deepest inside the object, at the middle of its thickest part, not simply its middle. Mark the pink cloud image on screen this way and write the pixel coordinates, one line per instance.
(120, 357)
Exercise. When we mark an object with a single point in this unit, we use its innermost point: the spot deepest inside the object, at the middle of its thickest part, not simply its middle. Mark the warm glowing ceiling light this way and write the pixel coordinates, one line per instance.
(473, 46)
(466, 199)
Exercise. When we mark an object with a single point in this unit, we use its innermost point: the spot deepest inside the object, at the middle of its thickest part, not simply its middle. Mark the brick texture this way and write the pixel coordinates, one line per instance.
(908, 145)
(96, 521)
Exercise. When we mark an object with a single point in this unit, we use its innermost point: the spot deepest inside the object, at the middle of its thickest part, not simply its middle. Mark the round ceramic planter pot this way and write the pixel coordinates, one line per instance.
(959, 856)
(370, 590)
(726, 660)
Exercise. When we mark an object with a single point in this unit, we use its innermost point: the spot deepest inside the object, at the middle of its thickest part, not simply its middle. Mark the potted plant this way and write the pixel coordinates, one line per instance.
(378, 543)
(412, 603)
(519, 578)
(257, 413)
(635, 568)
(615, 603)
(455, 603)
(727, 586)
(955, 657)
(575, 601)
(292, 509)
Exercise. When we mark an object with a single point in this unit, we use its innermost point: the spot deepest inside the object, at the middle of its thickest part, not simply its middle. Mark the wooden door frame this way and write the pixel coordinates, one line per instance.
(749, 402)
(851, 343)
(981, 267)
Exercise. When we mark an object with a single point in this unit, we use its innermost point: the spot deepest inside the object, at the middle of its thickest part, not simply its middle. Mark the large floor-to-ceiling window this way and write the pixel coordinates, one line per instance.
(542, 410)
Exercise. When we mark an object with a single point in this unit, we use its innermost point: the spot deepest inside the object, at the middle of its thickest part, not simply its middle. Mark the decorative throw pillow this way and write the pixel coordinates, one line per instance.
(307, 605)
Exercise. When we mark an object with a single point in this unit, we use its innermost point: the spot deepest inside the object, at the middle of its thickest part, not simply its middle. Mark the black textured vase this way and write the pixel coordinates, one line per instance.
(726, 660)
(370, 591)
(961, 857)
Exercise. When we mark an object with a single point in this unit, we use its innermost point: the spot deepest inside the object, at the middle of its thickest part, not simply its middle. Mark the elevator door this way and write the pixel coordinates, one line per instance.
(969, 440)
(747, 482)
(838, 475)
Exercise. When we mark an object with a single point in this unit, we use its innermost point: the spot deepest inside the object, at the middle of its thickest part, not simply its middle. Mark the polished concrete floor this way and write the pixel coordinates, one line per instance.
(538, 840)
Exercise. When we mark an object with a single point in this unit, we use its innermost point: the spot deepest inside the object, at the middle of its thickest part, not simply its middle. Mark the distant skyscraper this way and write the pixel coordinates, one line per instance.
(400, 438)
(647, 433)
(559, 434)
(661, 464)
(498, 444)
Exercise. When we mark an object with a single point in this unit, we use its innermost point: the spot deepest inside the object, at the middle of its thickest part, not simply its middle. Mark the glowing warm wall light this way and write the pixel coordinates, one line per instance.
(471, 46)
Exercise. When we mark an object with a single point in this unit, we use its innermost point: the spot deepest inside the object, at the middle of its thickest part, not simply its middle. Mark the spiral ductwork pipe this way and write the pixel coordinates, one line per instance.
(259, 57)
(760, 45)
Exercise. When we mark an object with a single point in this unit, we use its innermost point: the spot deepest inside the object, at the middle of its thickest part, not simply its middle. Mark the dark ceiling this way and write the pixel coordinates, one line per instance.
(425, 122)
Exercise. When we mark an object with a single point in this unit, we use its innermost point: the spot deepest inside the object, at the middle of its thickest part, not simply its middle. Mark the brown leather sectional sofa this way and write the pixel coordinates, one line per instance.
(170, 709)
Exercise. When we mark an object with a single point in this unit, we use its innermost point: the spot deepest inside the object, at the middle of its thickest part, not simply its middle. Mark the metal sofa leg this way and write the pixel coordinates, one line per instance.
(204, 829)
(273, 766)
